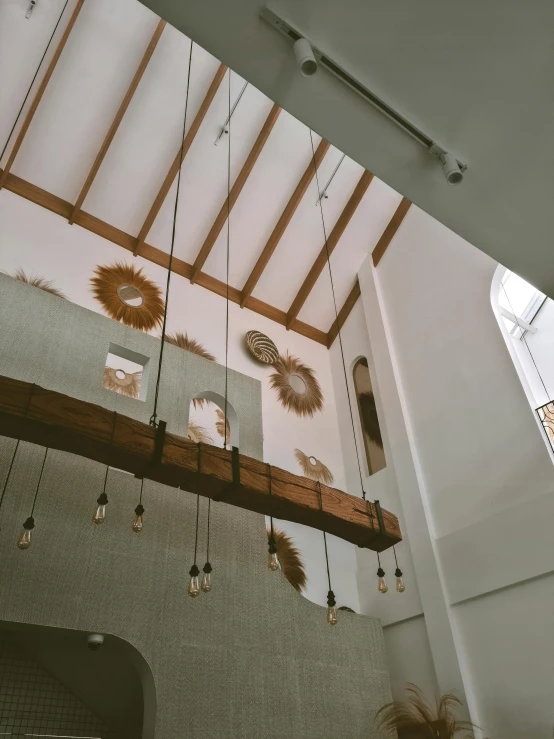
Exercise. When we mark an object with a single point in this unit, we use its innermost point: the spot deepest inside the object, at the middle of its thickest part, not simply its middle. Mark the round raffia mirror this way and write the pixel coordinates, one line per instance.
(130, 295)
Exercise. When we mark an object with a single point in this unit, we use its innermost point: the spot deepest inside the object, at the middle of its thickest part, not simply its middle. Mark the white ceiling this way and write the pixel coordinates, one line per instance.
(80, 102)
(479, 77)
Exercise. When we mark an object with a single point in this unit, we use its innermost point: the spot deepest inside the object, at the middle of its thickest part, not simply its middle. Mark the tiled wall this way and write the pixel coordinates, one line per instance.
(33, 702)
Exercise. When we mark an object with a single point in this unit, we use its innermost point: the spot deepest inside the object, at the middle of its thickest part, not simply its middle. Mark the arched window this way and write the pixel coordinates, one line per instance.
(371, 430)
(526, 318)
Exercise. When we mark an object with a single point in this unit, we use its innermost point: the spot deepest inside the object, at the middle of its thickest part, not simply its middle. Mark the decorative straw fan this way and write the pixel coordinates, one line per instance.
(368, 412)
(296, 385)
(189, 345)
(119, 381)
(220, 423)
(313, 468)
(198, 433)
(39, 282)
(291, 563)
(261, 347)
(128, 296)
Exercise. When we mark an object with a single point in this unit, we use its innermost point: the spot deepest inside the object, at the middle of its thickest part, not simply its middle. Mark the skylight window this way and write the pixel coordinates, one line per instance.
(519, 303)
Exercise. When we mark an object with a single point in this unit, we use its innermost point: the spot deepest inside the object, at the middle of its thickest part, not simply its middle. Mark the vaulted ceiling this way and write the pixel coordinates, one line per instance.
(98, 142)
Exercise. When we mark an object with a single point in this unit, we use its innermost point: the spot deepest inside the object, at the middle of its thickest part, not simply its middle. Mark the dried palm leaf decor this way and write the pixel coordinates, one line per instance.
(220, 425)
(417, 717)
(368, 412)
(296, 386)
(119, 381)
(128, 296)
(190, 345)
(39, 282)
(313, 468)
(198, 433)
(291, 563)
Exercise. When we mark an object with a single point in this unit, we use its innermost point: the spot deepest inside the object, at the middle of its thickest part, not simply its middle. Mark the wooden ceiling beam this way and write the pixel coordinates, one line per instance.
(181, 154)
(118, 118)
(40, 92)
(283, 222)
(89, 222)
(332, 241)
(389, 232)
(235, 191)
(344, 312)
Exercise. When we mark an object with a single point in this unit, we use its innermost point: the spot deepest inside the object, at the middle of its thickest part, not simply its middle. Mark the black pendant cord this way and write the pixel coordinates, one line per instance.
(33, 81)
(154, 416)
(103, 499)
(227, 264)
(17, 446)
(39, 481)
(398, 572)
(330, 595)
(139, 510)
(337, 320)
(272, 546)
(525, 340)
(194, 571)
(380, 570)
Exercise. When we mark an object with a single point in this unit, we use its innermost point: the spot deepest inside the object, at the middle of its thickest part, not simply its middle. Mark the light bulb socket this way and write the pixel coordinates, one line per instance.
(380, 572)
(331, 602)
(103, 499)
(139, 510)
(194, 571)
(29, 524)
(398, 572)
(207, 568)
(272, 549)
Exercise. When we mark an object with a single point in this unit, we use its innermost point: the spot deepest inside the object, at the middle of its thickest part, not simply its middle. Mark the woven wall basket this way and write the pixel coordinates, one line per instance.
(261, 347)
(128, 296)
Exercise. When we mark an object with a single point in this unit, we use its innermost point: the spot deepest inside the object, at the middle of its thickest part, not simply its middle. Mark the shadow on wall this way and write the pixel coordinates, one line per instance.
(72, 687)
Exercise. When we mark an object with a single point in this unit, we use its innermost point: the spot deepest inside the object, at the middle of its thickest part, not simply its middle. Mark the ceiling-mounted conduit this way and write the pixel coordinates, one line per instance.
(447, 160)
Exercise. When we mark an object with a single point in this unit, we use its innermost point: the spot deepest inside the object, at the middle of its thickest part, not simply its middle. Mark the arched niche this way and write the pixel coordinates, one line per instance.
(115, 681)
(208, 414)
(368, 417)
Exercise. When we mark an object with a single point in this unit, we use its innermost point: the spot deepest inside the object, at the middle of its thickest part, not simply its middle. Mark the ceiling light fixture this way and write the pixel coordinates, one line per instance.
(30, 9)
(309, 58)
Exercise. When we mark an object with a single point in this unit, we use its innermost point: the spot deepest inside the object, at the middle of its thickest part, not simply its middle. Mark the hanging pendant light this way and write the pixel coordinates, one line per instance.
(138, 523)
(24, 539)
(207, 578)
(272, 560)
(382, 586)
(194, 587)
(332, 616)
(400, 587)
(100, 513)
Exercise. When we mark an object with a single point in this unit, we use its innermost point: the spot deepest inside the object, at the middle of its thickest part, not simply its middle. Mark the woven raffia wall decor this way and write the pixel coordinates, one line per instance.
(220, 424)
(198, 433)
(109, 285)
(261, 347)
(313, 468)
(304, 401)
(370, 419)
(128, 384)
(291, 563)
(39, 282)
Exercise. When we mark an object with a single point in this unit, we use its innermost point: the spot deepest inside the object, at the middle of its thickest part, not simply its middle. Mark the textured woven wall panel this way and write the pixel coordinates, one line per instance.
(251, 659)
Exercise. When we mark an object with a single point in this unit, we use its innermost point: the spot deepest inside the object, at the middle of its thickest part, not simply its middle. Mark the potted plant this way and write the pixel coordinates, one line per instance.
(417, 718)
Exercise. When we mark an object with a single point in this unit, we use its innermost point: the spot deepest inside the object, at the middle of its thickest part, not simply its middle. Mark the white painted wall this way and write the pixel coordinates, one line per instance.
(482, 551)
(43, 243)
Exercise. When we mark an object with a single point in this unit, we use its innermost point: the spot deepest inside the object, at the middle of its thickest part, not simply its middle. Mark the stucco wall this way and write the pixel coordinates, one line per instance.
(252, 658)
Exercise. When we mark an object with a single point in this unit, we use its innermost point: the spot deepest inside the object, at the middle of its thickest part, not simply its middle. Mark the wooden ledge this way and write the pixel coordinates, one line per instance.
(58, 421)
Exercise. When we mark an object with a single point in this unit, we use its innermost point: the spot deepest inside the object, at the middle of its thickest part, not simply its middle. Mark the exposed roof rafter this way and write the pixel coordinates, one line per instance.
(332, 240)
(63, 208)
(344, 312)
(118, 118)
(181, 154)
(235, 191)
(40, 92)
(389, 232)
(283, 222)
